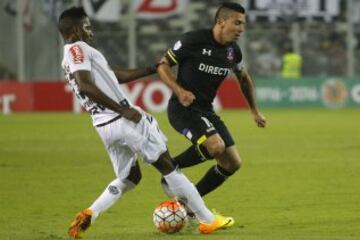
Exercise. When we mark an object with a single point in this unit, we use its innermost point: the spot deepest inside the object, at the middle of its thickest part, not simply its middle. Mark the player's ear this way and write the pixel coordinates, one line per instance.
(221, 22)
(78, 31)
(218, 21)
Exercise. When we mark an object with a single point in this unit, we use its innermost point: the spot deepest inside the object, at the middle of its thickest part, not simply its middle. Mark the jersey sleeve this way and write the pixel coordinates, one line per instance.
(79, 57)
(180, 50)
(239, 62)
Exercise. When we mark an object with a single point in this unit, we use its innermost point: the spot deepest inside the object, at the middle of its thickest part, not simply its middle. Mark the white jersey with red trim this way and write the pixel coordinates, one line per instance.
(81, 56)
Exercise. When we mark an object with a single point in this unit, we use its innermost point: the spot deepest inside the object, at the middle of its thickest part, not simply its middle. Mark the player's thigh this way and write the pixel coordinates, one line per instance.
(146, 138)
(122, 157)
(230, 157)
(135, 173)
(192, 124)
(222, 129)
(123, 160)
(164, 164)
(214, 144)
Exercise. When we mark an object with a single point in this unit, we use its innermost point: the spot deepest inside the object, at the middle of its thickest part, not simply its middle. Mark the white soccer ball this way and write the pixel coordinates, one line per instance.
(170, 216)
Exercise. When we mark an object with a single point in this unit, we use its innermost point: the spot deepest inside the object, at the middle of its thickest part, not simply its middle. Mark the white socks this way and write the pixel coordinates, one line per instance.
(178, 184)
(182, 187)
(111, 194)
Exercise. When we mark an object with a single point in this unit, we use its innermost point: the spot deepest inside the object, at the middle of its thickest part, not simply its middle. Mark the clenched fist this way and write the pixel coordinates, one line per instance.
(185, 97)
(131, 114)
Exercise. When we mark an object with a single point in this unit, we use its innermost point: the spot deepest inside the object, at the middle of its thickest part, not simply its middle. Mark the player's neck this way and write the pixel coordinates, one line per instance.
(216, 32)
(73, 38)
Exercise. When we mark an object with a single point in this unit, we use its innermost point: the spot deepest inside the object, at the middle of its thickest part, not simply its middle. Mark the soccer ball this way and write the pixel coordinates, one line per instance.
(170, 216)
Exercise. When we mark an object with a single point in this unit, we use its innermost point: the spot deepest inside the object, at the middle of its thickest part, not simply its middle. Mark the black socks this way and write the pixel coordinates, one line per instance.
(188, 158)
(214, 177)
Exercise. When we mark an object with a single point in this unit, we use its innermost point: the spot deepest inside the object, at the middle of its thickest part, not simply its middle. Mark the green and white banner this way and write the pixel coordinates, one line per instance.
(331, 93)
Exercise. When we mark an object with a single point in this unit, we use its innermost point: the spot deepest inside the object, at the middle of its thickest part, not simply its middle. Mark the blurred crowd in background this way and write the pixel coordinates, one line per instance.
(325, 44)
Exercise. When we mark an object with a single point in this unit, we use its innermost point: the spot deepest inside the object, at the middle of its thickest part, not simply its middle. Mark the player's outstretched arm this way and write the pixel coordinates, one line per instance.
(88, 88)
(247, 88)
(166, 75)
(128, 75)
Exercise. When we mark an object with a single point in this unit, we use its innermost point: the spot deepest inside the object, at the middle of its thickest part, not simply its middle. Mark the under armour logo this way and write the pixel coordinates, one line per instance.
(206, 52)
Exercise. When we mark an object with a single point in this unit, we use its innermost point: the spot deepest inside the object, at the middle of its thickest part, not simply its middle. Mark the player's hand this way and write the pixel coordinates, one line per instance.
(131, 114)
(185, 97)
(259, 119)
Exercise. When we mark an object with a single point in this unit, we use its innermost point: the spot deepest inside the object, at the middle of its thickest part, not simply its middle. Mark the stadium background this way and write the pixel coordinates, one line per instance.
(136, 33)
(300, 178)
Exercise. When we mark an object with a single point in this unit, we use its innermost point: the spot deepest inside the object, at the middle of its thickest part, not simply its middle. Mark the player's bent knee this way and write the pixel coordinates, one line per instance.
(164, 164)
(136, 178)
(235, 166)
(230, 166)
(135, 174)
(216, 148)
(203, 152)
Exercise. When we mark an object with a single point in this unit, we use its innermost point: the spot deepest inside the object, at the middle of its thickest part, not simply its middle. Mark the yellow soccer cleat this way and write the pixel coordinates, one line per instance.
(220, 222)
(230, 220)
(81, 223)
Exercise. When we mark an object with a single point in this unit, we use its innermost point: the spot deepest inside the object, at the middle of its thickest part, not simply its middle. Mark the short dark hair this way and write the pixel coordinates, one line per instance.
(69, 18)
(225, 8)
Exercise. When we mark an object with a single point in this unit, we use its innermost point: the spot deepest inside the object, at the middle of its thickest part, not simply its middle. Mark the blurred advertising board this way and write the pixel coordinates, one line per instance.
(280, 10)
(152, 95)
(154, 9)
(330, 93)
(39, 96)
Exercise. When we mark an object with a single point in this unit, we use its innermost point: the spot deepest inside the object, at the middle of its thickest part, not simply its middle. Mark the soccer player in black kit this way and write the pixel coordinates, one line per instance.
(205, 57)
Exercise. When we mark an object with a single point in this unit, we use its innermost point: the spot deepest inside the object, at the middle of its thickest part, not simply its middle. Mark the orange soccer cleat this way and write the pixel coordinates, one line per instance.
(81, 223)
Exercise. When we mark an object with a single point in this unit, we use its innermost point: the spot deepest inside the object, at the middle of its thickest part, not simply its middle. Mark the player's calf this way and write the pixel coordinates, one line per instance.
(213, 178)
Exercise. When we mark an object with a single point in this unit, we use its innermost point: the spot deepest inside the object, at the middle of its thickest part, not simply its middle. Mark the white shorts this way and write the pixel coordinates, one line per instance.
(125, 141)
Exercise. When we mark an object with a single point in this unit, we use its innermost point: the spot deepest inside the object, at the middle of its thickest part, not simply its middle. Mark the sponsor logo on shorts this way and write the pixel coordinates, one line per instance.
(186, 132)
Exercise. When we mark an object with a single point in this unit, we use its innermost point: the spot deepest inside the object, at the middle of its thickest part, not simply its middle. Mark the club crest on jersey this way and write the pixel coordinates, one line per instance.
(77, 54)
(230, 54)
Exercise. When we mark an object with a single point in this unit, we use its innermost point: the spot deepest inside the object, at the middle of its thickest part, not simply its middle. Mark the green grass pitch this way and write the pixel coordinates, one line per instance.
(300, 178)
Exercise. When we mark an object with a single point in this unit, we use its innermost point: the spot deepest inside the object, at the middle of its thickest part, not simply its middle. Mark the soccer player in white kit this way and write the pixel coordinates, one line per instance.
(126, 130)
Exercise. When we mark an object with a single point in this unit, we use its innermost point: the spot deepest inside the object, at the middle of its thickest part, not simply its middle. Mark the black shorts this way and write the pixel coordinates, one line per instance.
(197, 125)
